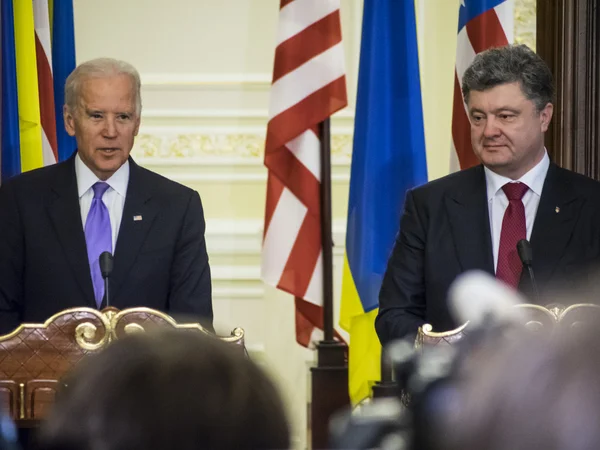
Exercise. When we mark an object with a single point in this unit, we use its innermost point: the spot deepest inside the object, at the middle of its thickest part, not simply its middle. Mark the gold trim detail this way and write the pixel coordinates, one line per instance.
(239, 145)
(236, 335)
(22, 400)
(86, 333)
(27, 326)
(427, 330)
(534, 325)
(132, 328)
(556, 313)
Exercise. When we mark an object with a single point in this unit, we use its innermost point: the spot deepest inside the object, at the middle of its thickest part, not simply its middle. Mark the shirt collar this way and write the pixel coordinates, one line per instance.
(534, 179)
(86, 178)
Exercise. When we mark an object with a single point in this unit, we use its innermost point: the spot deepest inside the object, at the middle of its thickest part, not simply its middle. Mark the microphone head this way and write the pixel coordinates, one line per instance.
(476, 296)
(106, 264)
(525, 252)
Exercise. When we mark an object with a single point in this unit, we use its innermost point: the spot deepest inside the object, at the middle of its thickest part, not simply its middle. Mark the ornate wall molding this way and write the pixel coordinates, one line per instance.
(240, 145)
(525, 21)
(161, 145)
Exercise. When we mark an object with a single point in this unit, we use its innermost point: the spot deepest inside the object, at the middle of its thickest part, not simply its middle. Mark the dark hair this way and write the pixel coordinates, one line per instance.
(510, 64)
(167, 390)
(537, 392)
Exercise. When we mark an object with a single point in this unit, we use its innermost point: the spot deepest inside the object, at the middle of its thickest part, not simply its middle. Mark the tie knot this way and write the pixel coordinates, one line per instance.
(99, 189)
(515, 191)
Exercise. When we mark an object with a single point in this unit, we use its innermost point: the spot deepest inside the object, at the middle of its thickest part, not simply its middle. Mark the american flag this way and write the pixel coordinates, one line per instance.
(482, 24)
(309, 85)
(43, 52)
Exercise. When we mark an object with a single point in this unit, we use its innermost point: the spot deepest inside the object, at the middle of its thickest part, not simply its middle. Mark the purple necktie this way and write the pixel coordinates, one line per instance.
(98, 237)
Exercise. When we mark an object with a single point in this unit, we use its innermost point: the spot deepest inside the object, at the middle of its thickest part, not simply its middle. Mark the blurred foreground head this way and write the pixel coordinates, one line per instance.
(531, 392)
(170, 390)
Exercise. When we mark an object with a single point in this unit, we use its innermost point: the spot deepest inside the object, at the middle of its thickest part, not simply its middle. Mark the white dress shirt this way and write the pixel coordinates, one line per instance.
(114, 197)
(497, 201)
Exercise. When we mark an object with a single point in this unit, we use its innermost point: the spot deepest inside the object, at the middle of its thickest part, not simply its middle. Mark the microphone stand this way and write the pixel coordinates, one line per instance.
(536, 293)
(526, 256)
(106, 267)
(106, 291)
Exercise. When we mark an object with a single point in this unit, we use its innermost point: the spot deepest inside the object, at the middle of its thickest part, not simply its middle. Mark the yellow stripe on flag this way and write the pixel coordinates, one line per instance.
(30, 126)
(364, 359)
(51, 16)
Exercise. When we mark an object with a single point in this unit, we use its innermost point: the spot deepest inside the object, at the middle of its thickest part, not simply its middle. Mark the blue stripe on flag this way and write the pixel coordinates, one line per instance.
(473, 8)
(63, 63)
(10, 140)
(389, 142)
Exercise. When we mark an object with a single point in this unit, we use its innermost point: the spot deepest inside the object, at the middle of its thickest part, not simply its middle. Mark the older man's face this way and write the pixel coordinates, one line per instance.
(507, 132)
(104, 123)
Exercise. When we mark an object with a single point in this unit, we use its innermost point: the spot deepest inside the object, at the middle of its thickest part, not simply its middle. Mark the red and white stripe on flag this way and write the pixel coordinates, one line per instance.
(493, 28)
(43, 52)
(309, 85)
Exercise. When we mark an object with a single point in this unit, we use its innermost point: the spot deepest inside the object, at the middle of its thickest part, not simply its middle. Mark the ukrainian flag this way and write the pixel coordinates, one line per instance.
(21, 124)
(388, 159)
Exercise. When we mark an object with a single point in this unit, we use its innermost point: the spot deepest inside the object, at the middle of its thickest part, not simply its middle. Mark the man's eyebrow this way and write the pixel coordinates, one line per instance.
(497, 110)
(506, 109)
(475, 110)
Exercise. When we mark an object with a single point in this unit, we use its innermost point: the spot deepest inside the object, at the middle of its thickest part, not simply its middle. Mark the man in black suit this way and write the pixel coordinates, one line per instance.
(57, 220)
(457, 223)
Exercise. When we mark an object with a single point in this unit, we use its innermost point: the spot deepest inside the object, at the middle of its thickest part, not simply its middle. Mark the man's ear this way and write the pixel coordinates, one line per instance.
(69, 120)
(137, 126)
(546, 116)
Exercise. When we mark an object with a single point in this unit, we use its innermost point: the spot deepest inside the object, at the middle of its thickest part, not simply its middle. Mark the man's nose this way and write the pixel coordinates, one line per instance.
(110, 127)
(491, 128)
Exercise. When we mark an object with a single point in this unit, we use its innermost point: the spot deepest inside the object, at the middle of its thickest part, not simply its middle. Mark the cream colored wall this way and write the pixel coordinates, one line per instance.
(437, 24)
(206, 70)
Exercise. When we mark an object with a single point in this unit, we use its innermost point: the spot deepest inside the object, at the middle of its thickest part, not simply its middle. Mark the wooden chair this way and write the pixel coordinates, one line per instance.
(34, 357)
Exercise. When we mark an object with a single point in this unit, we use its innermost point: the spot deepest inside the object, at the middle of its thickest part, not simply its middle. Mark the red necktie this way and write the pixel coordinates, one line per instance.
(513, 230)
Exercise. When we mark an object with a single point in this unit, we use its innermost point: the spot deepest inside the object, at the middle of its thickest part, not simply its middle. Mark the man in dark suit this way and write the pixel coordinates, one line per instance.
(56, 221)
(473, 219)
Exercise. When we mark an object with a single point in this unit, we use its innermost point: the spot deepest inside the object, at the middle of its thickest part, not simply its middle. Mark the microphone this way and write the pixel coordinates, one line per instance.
(526, 256)
(480, 299)
(106, 267)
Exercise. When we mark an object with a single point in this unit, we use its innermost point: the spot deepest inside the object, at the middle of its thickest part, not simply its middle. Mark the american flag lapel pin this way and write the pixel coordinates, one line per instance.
(137, 218)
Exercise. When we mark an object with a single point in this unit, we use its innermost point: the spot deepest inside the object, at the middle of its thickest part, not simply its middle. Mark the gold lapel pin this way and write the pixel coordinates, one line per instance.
(138, 218)
(557, 210)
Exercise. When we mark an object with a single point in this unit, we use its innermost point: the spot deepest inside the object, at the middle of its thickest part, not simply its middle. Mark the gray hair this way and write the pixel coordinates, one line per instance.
(510, 64)
(99, 68)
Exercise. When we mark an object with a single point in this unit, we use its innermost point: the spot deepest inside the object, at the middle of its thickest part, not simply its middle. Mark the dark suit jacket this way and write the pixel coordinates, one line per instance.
(445, 230)
(159, 261)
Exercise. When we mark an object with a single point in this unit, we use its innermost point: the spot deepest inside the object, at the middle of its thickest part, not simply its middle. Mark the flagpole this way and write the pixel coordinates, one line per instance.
(329, 381)
(326, 234)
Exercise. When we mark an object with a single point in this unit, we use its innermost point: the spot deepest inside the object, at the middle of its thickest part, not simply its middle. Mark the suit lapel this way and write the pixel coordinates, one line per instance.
(65, 214)
(138, 214)
(554, 222)
(467, 208)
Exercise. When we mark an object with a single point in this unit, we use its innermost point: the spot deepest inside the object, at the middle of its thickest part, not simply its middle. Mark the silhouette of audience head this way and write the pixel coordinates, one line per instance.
(167, 390)
(530, 392)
